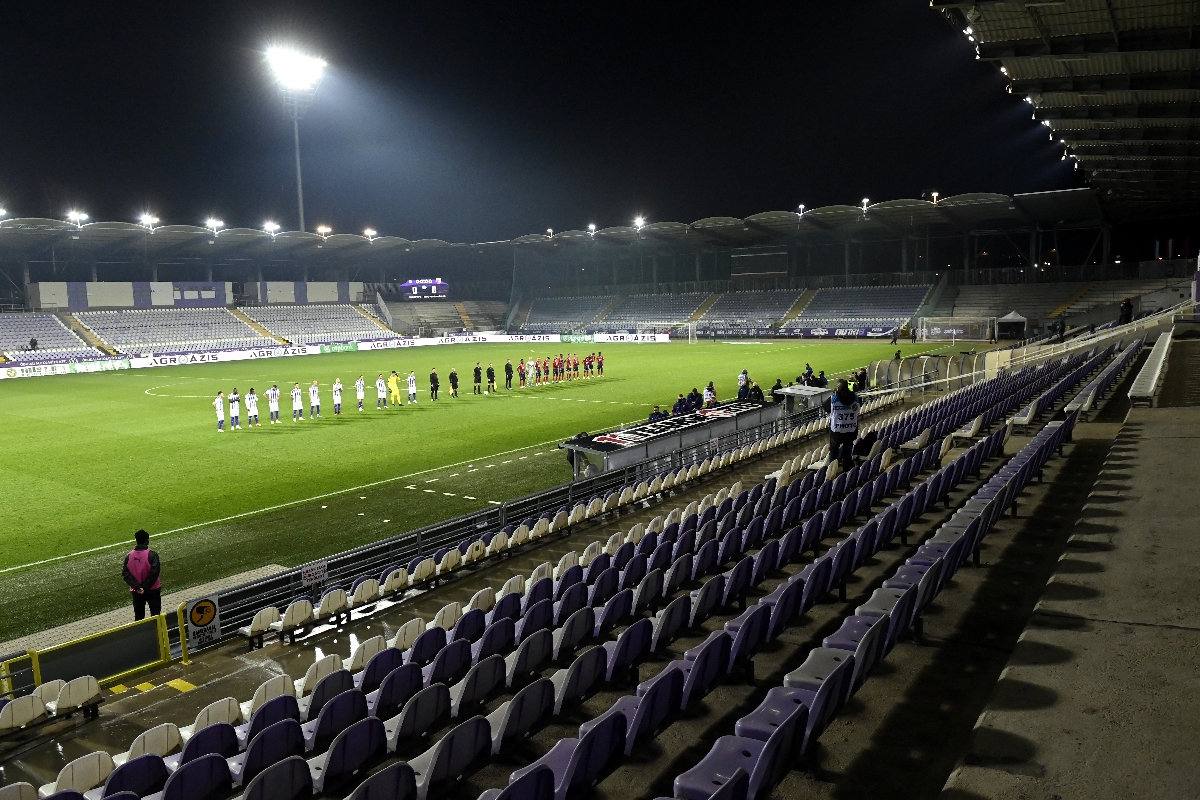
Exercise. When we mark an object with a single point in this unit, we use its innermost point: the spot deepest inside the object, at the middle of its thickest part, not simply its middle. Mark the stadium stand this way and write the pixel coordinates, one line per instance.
(652, 309)
(317, 324)
(176, 330)
(550, 314)
(1103, 293)
(749, 309)
(876, 305)
(432, 316)
(1035, 302)
(55, 341)
(485, 315)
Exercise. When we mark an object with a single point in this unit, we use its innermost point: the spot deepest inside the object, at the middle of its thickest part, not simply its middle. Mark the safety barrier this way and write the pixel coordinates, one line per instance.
(1145, 385)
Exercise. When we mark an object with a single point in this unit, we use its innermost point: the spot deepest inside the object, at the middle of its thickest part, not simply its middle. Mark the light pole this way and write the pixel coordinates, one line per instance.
(297, 76)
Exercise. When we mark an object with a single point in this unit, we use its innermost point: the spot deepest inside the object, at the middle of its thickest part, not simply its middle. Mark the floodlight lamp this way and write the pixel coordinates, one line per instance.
(591, 227)
(294, 70)
(549, 231)
(3, 212)
(802, 209)
(213, 224)
(370, 233)
(639, 222)
(77, 217)
(149, 220)
(270, 227)
(324, 230)
(935, 197)
(864, 204)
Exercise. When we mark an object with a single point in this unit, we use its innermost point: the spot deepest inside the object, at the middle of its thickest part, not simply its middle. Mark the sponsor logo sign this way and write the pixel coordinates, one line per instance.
(615, 440)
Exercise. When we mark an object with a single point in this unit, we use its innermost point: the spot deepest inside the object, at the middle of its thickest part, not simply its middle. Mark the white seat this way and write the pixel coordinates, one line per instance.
(451, 561)
(640, 492)
(76, 694)
(540, 529)
(614, 542)
(18, 791)
(268, 690)
(543, 570)
(626, 496)
(317, 670)
(446, 616)
(589, 553)
(559, 522)
(484, 600)
(82, 774)
(159, 740)
(595, 507)
(498, 544)
(424, 571)
(224, 710)
(520, 536)
(299, 614)
(333, 605)
(475, 551)
(365, 594)
(568, 560)
(655, 525)
(21, 712)
(397, 581)
(514, 584)
(366, 650)
(407, 633)
(261, 624)
(673, 517)
(656, 485)
(636, 533)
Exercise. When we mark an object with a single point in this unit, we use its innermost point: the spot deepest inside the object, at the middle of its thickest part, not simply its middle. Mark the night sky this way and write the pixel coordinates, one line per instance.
(485, 121)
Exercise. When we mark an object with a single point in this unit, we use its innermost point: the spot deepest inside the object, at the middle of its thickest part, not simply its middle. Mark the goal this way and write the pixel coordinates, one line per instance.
(953, 329)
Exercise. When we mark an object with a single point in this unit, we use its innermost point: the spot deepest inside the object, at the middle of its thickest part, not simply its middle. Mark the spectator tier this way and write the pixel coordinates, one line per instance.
(857, 306)
(317, 324)
(172, 330)
(749, 309)
(55, 342)
(564, 313)
(654, 309)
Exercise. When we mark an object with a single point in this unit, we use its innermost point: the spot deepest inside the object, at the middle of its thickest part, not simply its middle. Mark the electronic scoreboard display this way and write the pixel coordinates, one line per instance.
(425, 289)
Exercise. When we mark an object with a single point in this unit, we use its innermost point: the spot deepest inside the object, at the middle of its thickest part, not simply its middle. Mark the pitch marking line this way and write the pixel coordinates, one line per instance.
(277, 507)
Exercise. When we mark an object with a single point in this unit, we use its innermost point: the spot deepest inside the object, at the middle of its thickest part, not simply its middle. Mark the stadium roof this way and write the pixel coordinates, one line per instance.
(35, 239)
(1114, 80)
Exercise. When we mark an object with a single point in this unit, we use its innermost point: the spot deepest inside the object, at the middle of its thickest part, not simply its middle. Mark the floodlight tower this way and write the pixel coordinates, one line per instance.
(297, 76)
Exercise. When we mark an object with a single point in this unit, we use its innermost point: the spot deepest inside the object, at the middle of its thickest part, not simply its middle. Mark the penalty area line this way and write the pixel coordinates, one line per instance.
(277, 507)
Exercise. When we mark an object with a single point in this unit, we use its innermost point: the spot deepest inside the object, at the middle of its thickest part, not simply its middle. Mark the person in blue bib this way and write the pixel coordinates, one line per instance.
(842, 408)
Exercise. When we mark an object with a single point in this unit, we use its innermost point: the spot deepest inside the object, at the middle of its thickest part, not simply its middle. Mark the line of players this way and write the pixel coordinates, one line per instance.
(535, 372)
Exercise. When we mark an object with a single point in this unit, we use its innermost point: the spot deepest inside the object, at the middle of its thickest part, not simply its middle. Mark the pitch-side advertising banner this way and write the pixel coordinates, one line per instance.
(283, 351)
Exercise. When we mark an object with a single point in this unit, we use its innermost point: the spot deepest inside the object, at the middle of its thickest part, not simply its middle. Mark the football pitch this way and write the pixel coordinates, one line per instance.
(90, 458)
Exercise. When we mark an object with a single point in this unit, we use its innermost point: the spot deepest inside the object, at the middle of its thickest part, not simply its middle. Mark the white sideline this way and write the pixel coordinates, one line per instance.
(279, 506)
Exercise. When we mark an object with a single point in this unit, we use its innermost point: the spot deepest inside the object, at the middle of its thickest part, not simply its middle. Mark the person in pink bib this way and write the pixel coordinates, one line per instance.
(141, 572)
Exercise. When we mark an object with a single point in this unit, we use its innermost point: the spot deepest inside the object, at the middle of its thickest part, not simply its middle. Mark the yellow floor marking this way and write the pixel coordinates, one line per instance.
(144, 687)
(118, 688)
(181, 685)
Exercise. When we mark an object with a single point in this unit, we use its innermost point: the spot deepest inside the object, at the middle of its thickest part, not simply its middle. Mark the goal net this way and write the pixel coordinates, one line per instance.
(952, 329)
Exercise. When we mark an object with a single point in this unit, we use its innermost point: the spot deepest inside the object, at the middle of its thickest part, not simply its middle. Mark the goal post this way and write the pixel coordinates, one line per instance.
(691, 332)
(953, 329)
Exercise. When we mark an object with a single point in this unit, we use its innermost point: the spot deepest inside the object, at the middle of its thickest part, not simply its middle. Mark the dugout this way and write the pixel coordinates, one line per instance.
(1010, 326)
(798, 399)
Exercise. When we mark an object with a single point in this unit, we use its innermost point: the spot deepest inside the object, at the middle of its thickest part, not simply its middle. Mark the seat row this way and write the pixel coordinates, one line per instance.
(49, 702)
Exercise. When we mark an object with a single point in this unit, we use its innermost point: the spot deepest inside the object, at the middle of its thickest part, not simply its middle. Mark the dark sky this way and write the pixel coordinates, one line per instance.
(475, 122)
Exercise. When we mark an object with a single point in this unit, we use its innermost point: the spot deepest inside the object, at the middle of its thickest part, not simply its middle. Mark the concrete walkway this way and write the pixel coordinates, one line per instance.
(119, 616)
(1100, 698)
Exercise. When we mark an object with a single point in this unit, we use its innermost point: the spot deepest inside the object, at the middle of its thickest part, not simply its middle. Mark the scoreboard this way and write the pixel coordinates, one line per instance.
(425, 289)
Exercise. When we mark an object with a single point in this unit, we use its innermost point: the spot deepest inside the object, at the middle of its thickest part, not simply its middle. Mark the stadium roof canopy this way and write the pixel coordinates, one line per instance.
(1114, 80)
(36, 239)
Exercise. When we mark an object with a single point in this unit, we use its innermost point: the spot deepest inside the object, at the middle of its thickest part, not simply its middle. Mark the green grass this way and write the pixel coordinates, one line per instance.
(89, 459)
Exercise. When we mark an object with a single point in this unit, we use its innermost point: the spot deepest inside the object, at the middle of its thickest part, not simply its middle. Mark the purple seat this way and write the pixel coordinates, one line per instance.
(879, 490)
(360, 744)
(536, 784)
(670, 621)
(469, 626)
(808, 503)
(864, 636)
(594, 569)
(615, 610)
(575, 681)
(749, 631)
(399, 685)
(705, 561)
(708, 516)
(497, 638)
(529, 655)
(765, 560)
(843, 565)
(737, 581)
(774, 523)
(791, 512)
(670, 533)
(706, 598)
(326, 689)
(724, 508)
(816, 581)
(539, 617)
(507, 607)
(424, 710)
(338, 714)
(645, 712)
(866, 544)
(754, 533)
(377, 669)
(685, 544)
(481, 680)
(578, 763)
(517, 716)
(647, 545)
(789, 546)
(450, 664)
(426, 647)
(730, 547)
(604, 587)
(839, 487)
(392, 783)
(765, 761)
(810, 537)
(217, 739)
(661, 557)
(785, 606)
(822, 683)
(289, 779)
(274, 710)
(449, 758)
(832, 520)
(622, 556)
(648, 592)
(779, 704)
(678, 574)
(689, 524)
(824, 494)
(572, 600)
(143, 775)
(704, 667)
(887, 527)
(282, 740)
(539, 591)
(203, 778)
(573, 632)
(571, 576)
(631, 645)
(849, 509)
(633, 573)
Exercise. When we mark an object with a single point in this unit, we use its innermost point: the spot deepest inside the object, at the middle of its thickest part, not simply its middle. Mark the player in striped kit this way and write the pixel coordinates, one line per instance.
(380, 392)
(235, 410)
(337, 397)
(273, 402)
(252, 409)
(360, 390)
(412, 387)
(219, 405)
(297, 404)
(314, 400)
